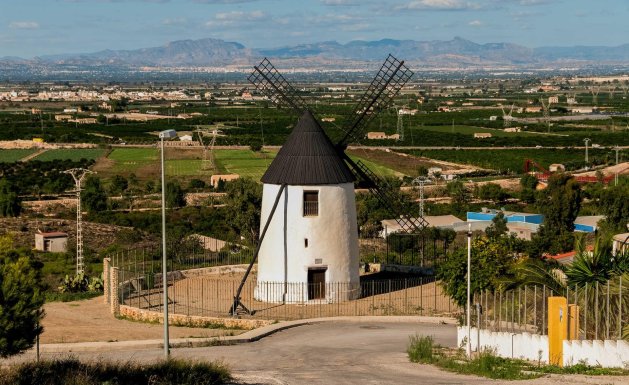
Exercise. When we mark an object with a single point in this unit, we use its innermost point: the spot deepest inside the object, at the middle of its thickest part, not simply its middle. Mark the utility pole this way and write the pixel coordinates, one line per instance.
(586, 141)
(617, 149)
(400, 126)
(78, 174)
(421, 182)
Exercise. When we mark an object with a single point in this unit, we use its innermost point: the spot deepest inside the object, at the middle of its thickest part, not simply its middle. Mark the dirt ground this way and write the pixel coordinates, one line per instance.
(90, 321)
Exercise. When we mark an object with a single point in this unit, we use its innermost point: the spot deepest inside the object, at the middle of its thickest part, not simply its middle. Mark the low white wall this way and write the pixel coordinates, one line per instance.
(608, 353)
(509, 345)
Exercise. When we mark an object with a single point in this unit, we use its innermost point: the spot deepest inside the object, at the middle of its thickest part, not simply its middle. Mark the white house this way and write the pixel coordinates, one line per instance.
(310, 251)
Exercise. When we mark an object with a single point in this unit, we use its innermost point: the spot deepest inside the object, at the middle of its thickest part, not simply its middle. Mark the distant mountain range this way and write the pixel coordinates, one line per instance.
(458, 51)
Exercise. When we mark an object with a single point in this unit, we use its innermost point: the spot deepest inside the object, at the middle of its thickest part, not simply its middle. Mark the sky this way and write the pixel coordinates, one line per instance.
(31, 28)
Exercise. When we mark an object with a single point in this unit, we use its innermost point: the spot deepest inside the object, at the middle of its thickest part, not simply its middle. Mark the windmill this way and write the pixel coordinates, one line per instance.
(208, 148)
(507, 118)
(315, 176)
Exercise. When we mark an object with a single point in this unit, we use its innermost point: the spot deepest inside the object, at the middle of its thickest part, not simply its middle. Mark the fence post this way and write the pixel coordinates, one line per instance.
(115, 299)
(619, 307)
(106, 290)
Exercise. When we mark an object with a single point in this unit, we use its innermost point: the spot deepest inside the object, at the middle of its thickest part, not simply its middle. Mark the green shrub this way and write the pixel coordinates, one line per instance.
(81, 283)
(71, 371)
(420, 349)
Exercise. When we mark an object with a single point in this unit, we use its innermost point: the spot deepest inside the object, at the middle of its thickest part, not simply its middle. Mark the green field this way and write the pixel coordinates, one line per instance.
(378, 169)
(10, 156)
(73, 154)
(470, 130)
(129, 160)
(245, 163)
(512, 159)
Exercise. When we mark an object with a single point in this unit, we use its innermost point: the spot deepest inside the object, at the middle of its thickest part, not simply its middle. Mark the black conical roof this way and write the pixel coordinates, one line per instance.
(307, 158)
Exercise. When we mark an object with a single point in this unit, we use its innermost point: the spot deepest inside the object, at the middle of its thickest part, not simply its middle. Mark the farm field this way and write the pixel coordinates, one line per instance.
(246, 163)
(470, 130)
(73, 154)
(10, 156)
(512, 159)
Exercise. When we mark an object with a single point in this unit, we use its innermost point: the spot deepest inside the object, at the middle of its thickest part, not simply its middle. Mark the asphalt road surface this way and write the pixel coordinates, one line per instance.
(341, 352)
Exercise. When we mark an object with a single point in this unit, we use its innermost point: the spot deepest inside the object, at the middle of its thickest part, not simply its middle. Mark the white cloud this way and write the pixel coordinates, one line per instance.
(24, 25)
(475, 23)
(440, 5)
(342, 2)
(224, 19)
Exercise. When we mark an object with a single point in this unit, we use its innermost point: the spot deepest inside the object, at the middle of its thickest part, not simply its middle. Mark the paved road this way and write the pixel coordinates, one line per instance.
(325, 353)
(341, 352)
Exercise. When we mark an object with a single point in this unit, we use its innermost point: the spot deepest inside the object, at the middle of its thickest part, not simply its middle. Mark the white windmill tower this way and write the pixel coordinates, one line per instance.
(312, 239)
(308, 246)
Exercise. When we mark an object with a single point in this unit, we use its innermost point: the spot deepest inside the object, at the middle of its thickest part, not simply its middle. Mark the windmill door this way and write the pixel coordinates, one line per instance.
(316, 283)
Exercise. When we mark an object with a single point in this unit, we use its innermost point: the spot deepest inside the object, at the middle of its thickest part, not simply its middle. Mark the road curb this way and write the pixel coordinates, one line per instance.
(247, 337)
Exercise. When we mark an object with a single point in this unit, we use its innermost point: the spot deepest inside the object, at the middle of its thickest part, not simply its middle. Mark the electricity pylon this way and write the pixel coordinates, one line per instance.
(78, 174)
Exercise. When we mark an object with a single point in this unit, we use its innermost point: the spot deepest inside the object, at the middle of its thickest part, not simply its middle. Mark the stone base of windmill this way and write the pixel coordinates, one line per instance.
(304, 293)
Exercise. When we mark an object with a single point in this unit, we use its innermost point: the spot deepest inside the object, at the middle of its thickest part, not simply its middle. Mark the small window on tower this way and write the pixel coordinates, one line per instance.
(305, 242)
(311, 203)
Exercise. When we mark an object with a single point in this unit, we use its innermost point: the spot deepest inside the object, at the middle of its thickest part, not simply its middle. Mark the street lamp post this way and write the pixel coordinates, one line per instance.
(167, 134)
(586, 141)
(469, 284)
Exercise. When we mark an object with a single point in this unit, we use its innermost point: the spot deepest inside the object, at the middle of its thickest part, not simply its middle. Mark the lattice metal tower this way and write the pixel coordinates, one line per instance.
(400, 126)
(208, 149)
(78, 174)
(546, 112)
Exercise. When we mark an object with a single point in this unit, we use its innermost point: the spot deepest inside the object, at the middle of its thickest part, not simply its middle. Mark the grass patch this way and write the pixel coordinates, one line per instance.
(10, 156)
(245, 163)
(73, 154)
(421, 349)
(71, 371)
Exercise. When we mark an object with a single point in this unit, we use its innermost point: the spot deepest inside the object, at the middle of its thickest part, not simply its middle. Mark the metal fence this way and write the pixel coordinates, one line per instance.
(603, 309)
(194, 290)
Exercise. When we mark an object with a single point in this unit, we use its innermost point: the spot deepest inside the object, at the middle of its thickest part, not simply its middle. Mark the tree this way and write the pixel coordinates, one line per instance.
(196, 184)
(93, 196)
(614, 204)
(560, 203)
(243, 202)
(491, 259)
(10, 202)
(498, 226)
(460, 196)
(21, 301)
(174, 195)
(119, 184)
(492, 192)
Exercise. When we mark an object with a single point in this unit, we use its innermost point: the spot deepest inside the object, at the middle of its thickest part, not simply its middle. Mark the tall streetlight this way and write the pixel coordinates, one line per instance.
(586, 141)
(167, 134)
(469, 290)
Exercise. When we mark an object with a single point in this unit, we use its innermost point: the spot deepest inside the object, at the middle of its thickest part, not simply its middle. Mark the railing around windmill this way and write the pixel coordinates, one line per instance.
(206, 288)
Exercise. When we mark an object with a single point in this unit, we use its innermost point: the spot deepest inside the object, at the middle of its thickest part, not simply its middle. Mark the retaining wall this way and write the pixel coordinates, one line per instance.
(190, 321)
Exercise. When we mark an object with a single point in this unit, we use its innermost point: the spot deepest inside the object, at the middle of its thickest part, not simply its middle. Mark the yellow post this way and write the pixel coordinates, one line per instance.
(573, 322)
(557, 328)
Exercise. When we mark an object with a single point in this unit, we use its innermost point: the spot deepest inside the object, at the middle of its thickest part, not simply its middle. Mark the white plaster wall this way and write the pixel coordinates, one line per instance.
(608, 353)
(509, 345)
(332, 237)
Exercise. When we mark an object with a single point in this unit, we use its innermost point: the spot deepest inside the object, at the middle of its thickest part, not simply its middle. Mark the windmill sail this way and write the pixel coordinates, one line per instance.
(267, 79)
(387, 83)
